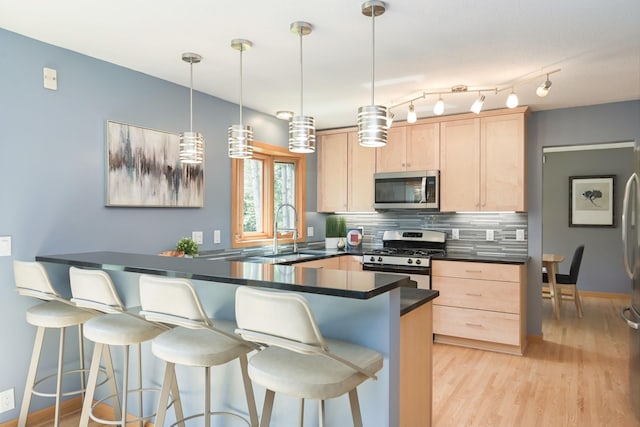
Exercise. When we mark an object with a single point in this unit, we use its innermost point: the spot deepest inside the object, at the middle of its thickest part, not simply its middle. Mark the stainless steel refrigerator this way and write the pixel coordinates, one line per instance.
(631, 244)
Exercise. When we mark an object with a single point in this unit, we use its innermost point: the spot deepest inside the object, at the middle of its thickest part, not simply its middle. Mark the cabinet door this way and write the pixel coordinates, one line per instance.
(391, 158)
(423, 147)
(502, 171)
(460, 165)
(362, 166)
(351, 262)
(332, 172)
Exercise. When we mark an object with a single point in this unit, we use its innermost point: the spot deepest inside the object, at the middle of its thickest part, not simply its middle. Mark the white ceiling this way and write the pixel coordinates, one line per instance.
(420, 45)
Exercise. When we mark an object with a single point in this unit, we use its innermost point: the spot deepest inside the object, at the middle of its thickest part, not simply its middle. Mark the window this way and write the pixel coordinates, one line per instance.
(260, 185)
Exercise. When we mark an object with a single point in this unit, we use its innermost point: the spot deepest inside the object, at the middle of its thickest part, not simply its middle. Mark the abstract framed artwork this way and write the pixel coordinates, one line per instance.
(591, 201)
(144, 170)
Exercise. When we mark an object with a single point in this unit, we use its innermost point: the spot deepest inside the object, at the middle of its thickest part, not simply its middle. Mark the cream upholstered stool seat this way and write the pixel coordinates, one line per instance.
(195, 341)
(56, 313)
(296, 359)
(95, 290)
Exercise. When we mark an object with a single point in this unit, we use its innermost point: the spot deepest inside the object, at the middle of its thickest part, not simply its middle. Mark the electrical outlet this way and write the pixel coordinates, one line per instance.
(5, 245)
(309, 231)
(520, 235)
(7, 401)
(455, 234)
(489, 235)
(197, 237)
(216, 236)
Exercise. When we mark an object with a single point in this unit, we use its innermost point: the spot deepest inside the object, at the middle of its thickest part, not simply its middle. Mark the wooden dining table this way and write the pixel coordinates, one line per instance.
(550, 263)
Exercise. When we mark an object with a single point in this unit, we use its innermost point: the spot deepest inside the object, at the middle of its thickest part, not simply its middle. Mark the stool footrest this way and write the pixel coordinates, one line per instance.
(202, 414)
(68, 393)
(118, 395)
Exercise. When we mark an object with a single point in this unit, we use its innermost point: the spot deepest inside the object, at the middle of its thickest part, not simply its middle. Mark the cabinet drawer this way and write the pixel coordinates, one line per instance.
(480, 294)
(481, 325)
(477, 270)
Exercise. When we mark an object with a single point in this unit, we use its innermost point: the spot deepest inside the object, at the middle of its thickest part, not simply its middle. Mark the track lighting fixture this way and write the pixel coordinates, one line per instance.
(543, 89)
(191, 143)
(438, 109)
(284, 115)
(372, 119)
(390, 117)
(512, 100)
(477, 104)
(411, 115)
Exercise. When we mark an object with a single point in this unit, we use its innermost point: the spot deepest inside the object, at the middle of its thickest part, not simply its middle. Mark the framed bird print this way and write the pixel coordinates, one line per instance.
(591, 201)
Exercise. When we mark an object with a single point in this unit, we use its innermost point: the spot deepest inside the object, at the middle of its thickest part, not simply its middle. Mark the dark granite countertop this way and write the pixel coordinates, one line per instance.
(342, 283)
(412, 298)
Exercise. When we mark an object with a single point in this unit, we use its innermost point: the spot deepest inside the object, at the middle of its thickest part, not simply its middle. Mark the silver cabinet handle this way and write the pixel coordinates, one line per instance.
(625, 219)
(475, 325)
(469, 294)
(473, 271)
(631, 323)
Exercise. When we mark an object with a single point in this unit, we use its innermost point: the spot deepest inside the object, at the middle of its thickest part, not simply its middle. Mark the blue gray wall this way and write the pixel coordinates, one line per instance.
(52, 168)
(613, 122)
(601, 269)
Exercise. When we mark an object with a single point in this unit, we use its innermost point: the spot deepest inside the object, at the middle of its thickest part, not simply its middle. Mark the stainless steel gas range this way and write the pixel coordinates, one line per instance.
(407, 252)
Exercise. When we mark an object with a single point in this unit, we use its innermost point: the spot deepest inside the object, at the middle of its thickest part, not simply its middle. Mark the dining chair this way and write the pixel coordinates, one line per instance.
(567, 284)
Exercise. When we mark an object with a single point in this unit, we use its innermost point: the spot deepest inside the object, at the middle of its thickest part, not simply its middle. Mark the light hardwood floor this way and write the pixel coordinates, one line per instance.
(576, 376)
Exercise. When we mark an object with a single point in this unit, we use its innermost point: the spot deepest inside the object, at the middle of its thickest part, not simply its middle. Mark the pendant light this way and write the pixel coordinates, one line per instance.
(302, 129)
(191, 143)
(411, 115)
(240, 137)
(512, 99)
(372, 119)
(438, 109)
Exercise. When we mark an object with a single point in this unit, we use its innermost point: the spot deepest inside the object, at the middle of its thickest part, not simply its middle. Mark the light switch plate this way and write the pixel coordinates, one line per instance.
(309, 231)
(197, 237)
(216, 236)
(455, 234)
(520, 235)
(5, 245)
(489, 235)
(50, 78)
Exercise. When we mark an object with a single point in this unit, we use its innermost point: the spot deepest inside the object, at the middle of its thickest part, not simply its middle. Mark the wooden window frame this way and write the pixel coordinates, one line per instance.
(269, 154)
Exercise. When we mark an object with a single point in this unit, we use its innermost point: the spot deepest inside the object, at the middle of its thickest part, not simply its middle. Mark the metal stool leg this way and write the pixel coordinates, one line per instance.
(355, 408)
(301, 419)
(321, 422)
(125, 386)
(248, 391)
(91, 385)
(169, 378)
(207, 397)
(267, 407)
(31, 376)
(56, 421)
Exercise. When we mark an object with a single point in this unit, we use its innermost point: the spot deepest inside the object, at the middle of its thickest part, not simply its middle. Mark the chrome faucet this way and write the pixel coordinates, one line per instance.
(294, 229)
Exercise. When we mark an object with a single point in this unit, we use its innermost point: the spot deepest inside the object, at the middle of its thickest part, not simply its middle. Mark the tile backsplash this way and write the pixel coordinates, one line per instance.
(472, 230)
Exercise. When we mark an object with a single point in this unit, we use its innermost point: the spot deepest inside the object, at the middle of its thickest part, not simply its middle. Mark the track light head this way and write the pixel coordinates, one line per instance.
(390, 117)
(543, 89)
(512, 100)
(438, 109)
(411, 115)
(477, 104)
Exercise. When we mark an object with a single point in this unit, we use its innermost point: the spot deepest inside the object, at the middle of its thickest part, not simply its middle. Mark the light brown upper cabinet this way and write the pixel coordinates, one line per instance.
(483, 163)
(345, 173)
(410, 148)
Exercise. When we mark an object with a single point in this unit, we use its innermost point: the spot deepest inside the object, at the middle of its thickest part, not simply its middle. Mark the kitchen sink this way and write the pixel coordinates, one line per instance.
(280, 258)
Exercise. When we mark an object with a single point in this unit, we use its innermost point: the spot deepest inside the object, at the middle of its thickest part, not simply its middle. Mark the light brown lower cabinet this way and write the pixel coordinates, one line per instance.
(481, 305)
(416, 367)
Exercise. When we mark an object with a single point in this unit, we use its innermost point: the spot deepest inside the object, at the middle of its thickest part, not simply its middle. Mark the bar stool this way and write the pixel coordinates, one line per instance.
(56, 313)
(195, 341)
(295, 359)
(94, 289)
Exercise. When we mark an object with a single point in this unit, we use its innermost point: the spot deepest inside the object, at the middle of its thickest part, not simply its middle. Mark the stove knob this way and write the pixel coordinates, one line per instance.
(409, 261)
(379, 259)
(372, 259)
(418, 262)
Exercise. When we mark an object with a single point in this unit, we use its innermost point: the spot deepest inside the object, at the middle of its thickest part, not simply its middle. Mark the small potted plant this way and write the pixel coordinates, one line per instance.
(188, 246)
(335, 232)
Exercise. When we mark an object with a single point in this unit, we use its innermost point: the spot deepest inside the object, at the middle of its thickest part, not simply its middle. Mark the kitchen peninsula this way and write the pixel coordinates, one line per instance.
(358, 306)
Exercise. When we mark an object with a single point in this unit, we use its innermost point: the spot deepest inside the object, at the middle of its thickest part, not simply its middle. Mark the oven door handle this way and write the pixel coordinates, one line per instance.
(424, 190)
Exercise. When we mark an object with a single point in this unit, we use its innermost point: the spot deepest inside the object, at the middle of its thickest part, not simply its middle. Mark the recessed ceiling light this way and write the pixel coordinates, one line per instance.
(284, 115)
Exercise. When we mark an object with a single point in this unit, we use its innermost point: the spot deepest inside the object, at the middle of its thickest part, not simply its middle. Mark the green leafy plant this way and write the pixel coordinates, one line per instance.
(187, 245)
(335, 226)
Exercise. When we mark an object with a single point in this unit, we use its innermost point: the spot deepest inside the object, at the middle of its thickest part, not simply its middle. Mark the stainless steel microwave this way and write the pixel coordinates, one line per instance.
(407, 190)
